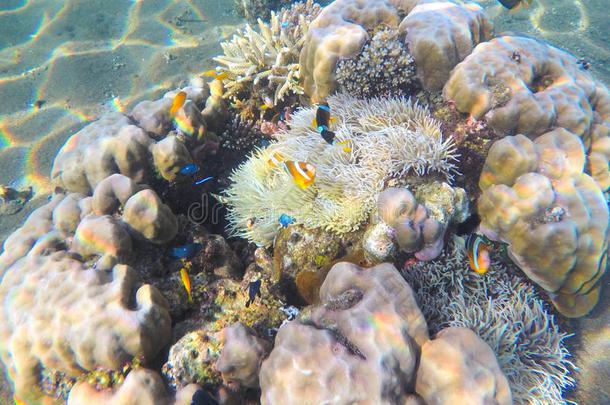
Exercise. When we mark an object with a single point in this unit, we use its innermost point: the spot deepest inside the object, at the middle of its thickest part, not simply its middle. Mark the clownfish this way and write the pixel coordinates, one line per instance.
(178, 102)
(184, 275)
(276, 159)
(221, 198)
(302, 173)
(216, 75)
(250, 222)
(321, 122)
(513, 5)
(478, 253)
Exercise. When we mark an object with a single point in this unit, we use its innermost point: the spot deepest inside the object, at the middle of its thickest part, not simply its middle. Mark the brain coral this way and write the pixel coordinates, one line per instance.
(388, 138)
(554, 217)
(438, 33)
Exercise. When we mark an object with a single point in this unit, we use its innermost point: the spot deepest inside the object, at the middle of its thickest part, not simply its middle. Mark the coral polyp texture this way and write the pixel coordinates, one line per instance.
(554, 217)
(362, 344)
(85, 321)
(522, 85)
(384, 68)
(127, 143)
(382, 139)
(266, 62)
(438, 35)
(506, 313)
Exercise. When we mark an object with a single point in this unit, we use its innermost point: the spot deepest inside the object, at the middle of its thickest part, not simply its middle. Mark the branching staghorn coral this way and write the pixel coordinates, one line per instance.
(267, 62)
(385, 139)
(504, 311)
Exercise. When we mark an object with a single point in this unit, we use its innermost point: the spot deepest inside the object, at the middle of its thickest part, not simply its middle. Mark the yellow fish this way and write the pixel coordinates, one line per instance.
(216, 75)
(178, 102)
(184, 275)
(302, 173)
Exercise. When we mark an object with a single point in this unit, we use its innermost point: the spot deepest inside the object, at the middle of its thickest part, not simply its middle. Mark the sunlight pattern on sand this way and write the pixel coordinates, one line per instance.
(65, 63)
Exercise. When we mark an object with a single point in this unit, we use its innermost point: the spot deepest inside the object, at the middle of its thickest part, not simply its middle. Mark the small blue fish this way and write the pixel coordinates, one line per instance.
(253, 290)
(204, 180)
(201, 397)
(285, 24)
(285, 220)
(189, 169)
(186, 251)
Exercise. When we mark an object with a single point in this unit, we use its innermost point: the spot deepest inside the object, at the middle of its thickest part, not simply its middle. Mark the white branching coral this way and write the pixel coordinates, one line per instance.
(268, 61)
(506, 313)
(376, 140)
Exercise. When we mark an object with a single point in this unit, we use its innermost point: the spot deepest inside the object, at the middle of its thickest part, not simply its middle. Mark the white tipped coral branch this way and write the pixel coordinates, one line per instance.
(250, 57)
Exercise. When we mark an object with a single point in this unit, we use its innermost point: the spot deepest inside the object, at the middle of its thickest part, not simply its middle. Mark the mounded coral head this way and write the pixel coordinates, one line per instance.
(382, 139)
(360, 344)
(553, 216)
(523, 85)
(458, 367)
(438, 34)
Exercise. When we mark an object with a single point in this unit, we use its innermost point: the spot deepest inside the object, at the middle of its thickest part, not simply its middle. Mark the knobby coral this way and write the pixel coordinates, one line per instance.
(384, 138)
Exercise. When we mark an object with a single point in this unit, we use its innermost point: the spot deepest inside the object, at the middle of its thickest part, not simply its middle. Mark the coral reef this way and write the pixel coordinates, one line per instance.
(63, 261)
(384, 68)
(415, 229)
(388, 138)
(265, 63)
(506, 313)
(441, 34)
(241, 357)
(125, 144)
(438, 36)
(199, 341)
(458, 367)
(362, 343)
(42, 329)
(522, 85)
(554, 217)
(302, 257)
(141, 387)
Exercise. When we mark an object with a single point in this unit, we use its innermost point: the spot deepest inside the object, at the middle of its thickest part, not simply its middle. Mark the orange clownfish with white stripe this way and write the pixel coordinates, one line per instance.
(302, 173)
(478, 253)
(276, 159)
